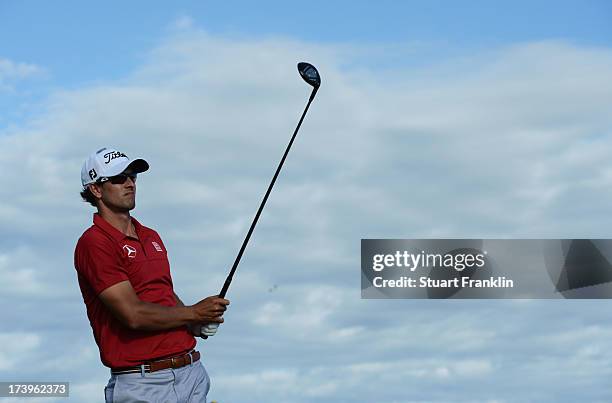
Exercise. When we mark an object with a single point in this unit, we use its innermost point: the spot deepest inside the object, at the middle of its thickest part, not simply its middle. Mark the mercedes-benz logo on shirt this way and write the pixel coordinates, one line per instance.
(130, 250)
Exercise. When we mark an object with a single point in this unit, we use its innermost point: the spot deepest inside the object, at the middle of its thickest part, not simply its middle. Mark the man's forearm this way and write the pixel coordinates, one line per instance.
(130, 310)
(152, 317)
(147, 316)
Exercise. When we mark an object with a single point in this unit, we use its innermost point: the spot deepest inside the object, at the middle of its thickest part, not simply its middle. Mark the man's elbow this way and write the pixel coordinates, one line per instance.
(124, 305)
(129, 321)
(132, 318)
(133, 324)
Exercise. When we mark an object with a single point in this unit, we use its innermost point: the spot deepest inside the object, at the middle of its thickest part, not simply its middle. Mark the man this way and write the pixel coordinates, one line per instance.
(144, 332)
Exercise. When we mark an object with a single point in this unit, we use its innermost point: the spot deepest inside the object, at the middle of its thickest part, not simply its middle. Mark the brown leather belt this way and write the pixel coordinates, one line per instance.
(173, 362)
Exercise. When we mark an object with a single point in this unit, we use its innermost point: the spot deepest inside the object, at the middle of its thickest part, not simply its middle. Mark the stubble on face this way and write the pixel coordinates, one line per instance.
(120, 198)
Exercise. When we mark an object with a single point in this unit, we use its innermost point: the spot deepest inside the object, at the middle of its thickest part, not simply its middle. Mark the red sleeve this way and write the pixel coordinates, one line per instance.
(96, 258)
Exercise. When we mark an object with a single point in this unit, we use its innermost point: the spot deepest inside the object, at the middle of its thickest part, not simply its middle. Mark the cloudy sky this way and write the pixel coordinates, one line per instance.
(434, 119)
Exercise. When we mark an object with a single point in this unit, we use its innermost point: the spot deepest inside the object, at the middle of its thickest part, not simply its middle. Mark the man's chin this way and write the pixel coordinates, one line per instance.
(127, 207)
(130, 204)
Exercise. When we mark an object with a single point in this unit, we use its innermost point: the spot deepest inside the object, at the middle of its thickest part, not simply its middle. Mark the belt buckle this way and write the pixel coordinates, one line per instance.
(172, 362)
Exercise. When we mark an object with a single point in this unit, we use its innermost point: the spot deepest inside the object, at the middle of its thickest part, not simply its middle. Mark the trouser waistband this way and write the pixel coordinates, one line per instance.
(152, 366)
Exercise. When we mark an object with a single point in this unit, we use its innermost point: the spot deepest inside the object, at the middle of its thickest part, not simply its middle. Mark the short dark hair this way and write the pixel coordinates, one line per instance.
(88, 197)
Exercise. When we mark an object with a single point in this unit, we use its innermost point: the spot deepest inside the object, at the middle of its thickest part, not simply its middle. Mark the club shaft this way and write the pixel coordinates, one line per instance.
(229, 278)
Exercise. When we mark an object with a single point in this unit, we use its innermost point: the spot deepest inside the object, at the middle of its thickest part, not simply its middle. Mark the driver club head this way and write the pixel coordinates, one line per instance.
(310, 74)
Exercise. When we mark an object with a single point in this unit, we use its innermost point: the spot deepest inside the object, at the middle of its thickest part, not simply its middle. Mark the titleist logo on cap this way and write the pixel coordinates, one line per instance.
(112, 155)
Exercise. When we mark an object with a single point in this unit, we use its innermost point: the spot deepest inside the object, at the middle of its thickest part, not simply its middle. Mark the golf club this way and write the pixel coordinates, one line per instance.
(310, 74)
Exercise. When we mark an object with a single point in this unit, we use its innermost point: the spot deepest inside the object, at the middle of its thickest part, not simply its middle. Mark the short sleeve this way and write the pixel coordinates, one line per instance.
(97, 260)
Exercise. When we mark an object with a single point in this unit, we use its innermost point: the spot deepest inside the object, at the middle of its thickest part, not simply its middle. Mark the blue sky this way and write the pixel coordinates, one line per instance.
(78, 43)
(434, 119)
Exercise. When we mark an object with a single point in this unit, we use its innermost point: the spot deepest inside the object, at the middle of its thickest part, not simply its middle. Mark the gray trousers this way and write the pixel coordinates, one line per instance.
(188, 384)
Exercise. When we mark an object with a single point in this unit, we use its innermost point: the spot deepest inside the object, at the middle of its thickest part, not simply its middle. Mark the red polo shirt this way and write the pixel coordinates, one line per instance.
(104, 256)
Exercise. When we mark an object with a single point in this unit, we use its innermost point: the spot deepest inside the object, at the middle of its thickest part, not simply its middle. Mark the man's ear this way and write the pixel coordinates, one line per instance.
(95, 189)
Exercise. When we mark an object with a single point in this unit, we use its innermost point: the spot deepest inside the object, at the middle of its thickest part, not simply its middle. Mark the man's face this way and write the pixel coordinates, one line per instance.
(119, 192)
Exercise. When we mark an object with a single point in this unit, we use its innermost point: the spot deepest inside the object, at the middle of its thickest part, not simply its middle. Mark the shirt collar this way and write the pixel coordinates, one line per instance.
(112, 231)
(138, 227)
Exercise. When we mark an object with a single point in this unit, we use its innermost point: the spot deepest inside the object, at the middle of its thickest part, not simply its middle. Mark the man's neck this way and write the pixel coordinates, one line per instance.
(122, 221)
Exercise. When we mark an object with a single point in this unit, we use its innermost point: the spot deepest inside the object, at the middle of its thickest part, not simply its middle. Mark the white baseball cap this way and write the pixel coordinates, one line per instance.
(107, 162)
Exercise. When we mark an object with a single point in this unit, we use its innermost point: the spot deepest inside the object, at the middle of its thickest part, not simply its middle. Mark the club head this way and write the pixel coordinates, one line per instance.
(310, 74)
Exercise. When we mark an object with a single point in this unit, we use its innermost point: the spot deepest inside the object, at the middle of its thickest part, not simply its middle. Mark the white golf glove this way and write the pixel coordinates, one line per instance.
(209, 329)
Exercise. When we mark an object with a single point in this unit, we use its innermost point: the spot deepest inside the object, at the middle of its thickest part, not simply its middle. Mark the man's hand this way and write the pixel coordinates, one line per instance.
(210, 313)
(210, 310)
(204, 330)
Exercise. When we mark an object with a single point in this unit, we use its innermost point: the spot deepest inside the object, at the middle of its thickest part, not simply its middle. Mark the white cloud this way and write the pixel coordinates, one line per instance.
(19, 273)
(9, 68)
(11, 72)
(184, 22)
(17, 348)
(309, 309)
(288, 384)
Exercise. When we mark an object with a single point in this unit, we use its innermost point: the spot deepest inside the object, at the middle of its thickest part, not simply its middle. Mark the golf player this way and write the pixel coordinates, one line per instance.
(144, 332)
